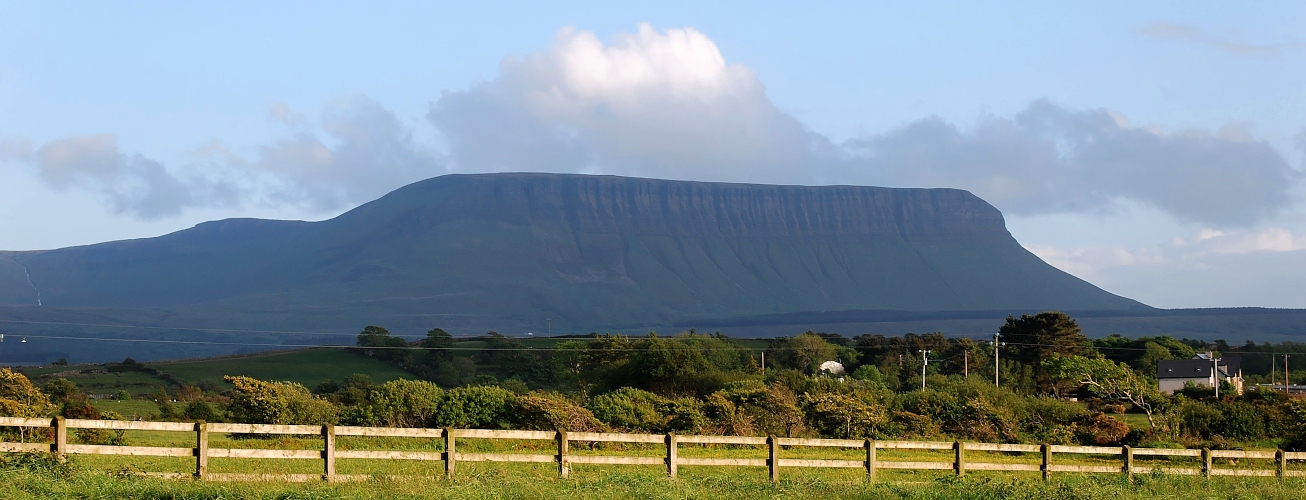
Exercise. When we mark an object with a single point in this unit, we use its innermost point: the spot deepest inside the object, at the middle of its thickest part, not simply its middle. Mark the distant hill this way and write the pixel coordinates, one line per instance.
(572, 253)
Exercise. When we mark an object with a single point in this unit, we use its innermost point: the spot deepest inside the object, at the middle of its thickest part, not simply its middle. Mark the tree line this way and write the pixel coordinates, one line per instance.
(1057, 386)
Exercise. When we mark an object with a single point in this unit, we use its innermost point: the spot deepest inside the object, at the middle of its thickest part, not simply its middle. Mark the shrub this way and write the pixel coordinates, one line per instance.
(682, 415)
(258, 402)
(629, 408)
(1100, 429)
(552, 412)
(1242, 421)
(726, 416)
(842, 415)
(1050, 420)
(475, 407)
(201, 410)
(1201, 419)
(405, 403)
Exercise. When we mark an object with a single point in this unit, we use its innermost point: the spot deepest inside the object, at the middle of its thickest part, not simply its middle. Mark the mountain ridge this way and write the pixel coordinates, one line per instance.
(582, 251)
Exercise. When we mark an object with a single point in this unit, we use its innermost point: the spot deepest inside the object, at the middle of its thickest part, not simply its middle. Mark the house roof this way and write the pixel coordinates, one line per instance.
(1196, 367)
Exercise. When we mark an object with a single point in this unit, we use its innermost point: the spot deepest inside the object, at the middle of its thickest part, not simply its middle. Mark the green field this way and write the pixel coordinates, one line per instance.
(305, 366)
(536, 481)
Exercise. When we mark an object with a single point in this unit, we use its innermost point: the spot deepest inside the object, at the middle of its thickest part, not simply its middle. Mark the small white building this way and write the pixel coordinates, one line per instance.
(1173, 374)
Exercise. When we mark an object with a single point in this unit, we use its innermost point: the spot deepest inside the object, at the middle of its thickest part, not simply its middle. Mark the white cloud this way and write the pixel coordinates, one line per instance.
(1052, 159)
(131, 184)
(370, 153)
(659, 104)
(1209, 268)
(669, 104)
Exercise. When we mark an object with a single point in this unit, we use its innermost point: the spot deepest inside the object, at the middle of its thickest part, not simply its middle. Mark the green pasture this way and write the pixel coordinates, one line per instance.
(306, 366)
(482, 480)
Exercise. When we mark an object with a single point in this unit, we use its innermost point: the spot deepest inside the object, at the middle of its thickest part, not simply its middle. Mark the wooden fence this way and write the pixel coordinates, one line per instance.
(564, 458)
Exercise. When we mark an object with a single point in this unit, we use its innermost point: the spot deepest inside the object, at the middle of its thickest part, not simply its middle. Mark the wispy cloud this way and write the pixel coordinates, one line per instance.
(1192, 34)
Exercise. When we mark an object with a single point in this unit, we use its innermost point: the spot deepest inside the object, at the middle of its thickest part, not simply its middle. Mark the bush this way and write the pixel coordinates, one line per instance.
(201, 410)
(546, 412)
(682, 415)
(842, 415)
(1241, 421)
(258, 402)
(1100, 429)
(629, 408)
(475, 407)
(404, 403)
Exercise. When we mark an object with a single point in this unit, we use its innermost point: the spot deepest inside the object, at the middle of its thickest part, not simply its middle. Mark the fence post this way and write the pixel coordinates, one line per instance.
(870, 460)
(773, 462)
(1280, 464)
(60, 446)
(1206, 462)
(329, 452)
(562, 454)
(1128, 453)
(671, 454)
(1047, 462)
(448, 453)
(201, 449)
(959, 466)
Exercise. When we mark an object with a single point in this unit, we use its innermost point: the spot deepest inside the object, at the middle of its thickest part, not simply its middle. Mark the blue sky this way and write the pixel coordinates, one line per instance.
(1155, 150)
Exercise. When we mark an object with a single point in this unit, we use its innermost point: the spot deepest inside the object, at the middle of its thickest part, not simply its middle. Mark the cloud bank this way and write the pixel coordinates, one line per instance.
(1051, 159)
(355, 153)
(661, 104)
(668, 104)
(1209, 268)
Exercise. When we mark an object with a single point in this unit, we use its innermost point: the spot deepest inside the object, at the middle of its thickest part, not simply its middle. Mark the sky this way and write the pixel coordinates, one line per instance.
(1156, 150)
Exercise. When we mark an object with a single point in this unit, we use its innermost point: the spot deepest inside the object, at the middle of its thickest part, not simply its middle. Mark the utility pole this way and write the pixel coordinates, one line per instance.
(1274, 374)
(965, 367)
(763, 361)
(1215, 374)
(1286, 390)
(925, 361)
(995, 359)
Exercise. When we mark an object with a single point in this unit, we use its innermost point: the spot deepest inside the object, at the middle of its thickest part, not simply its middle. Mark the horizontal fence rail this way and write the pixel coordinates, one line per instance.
(1109, 459)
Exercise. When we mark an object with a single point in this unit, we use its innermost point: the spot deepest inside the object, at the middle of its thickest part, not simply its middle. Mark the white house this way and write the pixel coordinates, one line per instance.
(1201, 370)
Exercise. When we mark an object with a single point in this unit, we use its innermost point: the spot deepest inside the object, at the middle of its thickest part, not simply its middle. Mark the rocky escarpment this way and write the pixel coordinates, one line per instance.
(586, 252)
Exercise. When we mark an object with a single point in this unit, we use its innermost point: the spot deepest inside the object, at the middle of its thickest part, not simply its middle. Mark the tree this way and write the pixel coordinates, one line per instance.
(1107, 379)
(376, 341)
(1035, 339)
(258, 402)
(438, 343)
(807, 351)
(19, 398)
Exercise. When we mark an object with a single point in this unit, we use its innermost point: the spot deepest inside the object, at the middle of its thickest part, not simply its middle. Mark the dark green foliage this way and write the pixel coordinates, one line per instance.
(629, 408)
(202, 410)
(475, 407)
(62, 390)
(1034, 339)
(401, 403)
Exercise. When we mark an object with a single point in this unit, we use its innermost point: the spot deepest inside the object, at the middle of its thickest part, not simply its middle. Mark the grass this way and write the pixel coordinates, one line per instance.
(540, 481)
(305, 366)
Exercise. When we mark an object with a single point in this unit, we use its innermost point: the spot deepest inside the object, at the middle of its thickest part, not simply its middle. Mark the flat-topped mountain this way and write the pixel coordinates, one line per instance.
(580, 252)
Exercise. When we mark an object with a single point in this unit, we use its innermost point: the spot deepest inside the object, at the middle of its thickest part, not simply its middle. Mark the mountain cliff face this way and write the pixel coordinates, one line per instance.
(589, 252)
